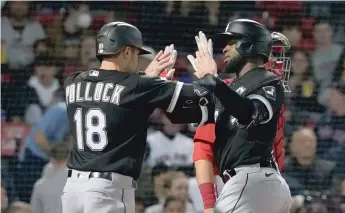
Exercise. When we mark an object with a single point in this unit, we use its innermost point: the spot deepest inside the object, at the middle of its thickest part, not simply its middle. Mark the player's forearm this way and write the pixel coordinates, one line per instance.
(203, 161)
(42, 141)
(193, 105)
(204, 172)
(238, 106)
(206, 179)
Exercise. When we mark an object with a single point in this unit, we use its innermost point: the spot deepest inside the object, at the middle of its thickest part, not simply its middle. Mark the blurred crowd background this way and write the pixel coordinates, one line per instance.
(43, 42)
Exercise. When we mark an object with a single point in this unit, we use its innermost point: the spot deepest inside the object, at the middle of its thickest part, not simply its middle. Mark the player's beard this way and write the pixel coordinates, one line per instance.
(235, 64)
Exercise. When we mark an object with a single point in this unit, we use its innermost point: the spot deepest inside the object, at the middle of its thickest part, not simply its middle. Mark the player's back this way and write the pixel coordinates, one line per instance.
(108, 121)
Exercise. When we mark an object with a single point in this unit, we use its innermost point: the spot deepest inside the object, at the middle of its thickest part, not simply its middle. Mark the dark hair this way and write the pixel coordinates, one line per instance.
(59, 152)
(47, 41)
(159, 169)
(170, 199)
(308, 73)
(46, 60)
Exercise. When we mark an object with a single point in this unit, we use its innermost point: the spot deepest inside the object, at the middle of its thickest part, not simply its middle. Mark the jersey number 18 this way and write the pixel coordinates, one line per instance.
(91, 129)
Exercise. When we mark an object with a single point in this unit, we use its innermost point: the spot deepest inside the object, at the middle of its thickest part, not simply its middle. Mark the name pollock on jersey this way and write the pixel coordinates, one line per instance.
(104, 92)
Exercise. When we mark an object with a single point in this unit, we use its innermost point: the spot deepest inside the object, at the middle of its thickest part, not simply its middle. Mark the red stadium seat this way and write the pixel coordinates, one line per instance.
(45, 18)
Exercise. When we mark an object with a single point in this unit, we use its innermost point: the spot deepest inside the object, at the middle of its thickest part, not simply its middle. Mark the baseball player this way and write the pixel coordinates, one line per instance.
(108, 110)
(247, 114)
(278, 64)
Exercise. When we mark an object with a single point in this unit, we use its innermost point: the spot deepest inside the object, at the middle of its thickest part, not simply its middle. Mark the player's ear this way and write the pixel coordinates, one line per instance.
(127, 53)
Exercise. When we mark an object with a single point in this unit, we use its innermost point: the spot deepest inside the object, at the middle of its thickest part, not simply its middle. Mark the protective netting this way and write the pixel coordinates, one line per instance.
(43, 42)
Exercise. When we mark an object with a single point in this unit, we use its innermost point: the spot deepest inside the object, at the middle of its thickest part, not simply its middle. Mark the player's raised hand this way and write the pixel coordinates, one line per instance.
(163, 60)
(168, 73)
(203, 63)
(205, 47)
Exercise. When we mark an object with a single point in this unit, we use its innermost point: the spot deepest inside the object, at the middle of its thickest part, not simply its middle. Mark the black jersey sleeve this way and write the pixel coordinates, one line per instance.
(183, 103)
(267, 101)
(257, 108)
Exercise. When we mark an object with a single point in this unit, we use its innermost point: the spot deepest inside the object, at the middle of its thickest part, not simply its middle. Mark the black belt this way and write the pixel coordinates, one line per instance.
(229, 173)
(103, 175)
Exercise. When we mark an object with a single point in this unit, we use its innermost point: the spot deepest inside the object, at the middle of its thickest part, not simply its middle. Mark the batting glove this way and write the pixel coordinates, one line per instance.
(168, 72)
(203, 45)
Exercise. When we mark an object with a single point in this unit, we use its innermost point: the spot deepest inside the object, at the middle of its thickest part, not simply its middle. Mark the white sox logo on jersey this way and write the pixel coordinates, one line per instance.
(270, 92)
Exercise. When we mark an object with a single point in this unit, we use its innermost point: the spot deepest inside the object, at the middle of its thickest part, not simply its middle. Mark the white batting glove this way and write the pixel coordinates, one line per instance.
(203, 45)
(168, 73)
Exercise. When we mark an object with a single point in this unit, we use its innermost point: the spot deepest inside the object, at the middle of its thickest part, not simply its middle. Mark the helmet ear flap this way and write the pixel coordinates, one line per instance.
(246, 48)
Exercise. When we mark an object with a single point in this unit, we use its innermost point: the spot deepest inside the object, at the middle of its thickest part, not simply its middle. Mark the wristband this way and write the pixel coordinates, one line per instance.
(208, 195)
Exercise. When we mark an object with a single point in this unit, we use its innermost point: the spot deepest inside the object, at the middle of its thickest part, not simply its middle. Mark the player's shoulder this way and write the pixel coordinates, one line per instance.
(75, 77)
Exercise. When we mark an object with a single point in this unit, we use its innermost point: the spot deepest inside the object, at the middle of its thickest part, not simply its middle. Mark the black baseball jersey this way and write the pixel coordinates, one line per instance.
(109, 111)
(238, 144)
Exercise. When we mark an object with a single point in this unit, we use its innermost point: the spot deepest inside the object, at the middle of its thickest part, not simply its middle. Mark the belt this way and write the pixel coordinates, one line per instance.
(229, 173)
(103, 175)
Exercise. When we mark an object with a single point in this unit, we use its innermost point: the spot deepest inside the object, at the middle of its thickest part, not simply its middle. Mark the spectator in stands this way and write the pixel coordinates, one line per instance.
(87, 50)
(326, 56)
(174, 205)
(160, 174)
(194, 192)
(50, 130)
(149, 181)
(43, 47)
(19, 33)
(169, 146)
(336, 200)
(303, 85)
(75, 21)
(71, 56)
(303, 169)
(175, 184)
(71, 51)
(339, 74)
(4, 198)
(139, 205)
(291, 27)
(342, 195)
(19, 207)
(41, 87)
(331, 128)
(47, 191)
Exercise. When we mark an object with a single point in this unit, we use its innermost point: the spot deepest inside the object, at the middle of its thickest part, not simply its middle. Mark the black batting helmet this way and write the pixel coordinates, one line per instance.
(112, 37)
(253, 39)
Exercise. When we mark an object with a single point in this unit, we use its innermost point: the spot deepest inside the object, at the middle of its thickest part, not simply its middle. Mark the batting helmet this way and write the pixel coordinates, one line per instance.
(252, 38)
(112, 37)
